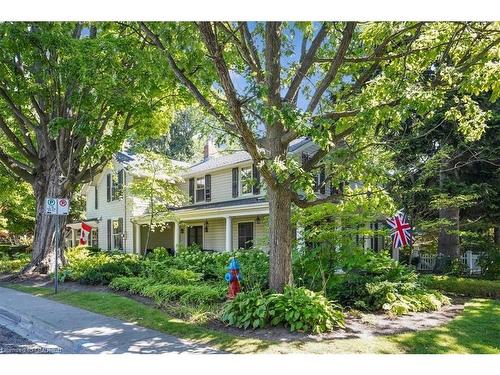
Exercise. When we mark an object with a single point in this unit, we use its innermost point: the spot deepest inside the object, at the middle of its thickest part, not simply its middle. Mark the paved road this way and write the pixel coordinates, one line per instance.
(12, 343)
(80, 331)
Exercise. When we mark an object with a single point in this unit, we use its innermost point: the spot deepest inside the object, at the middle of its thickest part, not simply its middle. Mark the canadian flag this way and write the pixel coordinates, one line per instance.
(84, 234)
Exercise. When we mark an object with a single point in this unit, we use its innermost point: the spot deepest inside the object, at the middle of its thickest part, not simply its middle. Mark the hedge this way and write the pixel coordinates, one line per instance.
(464, 286)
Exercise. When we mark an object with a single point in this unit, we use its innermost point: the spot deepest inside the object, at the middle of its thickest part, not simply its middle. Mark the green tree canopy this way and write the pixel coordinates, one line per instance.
(70, 93)
(341, 84)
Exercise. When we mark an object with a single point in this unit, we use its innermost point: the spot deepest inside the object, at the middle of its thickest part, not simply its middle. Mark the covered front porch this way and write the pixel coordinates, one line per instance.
(218, 230)
(72, 235)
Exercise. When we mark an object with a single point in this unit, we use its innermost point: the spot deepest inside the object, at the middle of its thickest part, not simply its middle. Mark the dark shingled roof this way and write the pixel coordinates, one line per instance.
(232, 203)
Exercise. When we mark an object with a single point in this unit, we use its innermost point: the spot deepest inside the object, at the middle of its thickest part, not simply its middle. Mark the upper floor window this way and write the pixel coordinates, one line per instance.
(114, 185)
(246, 180)
(200, 189)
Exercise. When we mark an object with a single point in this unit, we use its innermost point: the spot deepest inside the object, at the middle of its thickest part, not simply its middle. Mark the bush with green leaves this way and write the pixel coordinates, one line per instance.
(13, 263)
(161, 293)
(384, 284)
(299, 309)
(212, 265)
(470, 287)
(98, 268)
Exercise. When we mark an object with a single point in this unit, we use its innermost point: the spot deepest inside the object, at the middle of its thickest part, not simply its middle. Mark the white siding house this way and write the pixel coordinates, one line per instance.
(224, 212)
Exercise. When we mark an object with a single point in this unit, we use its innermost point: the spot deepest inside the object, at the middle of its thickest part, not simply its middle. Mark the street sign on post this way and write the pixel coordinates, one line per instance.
(51, 206)
(62, 206)
(57, 207)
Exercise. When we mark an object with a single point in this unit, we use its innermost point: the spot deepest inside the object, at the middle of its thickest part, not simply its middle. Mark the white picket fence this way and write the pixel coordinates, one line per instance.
(469, 259)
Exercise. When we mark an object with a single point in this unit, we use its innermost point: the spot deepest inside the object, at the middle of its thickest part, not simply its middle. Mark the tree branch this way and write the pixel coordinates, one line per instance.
(334, 67)
(179, 74)
(306, 61)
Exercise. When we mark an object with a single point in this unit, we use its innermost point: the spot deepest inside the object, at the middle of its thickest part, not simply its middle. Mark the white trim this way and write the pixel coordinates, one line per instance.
(216, 169)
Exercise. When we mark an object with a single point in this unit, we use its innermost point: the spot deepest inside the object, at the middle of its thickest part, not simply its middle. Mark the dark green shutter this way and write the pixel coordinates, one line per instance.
(191, 190)
(108, 187)
(235, 182)
(208, 188)
(109, 234)
(96, 204)
(256, 177)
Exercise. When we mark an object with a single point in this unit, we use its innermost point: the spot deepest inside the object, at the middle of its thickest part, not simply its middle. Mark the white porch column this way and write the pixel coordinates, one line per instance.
(73, 237)
(137, 238)
(176, 235)
(229, 233)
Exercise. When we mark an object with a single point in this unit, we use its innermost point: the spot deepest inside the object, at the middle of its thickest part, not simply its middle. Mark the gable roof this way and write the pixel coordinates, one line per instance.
(235, 158)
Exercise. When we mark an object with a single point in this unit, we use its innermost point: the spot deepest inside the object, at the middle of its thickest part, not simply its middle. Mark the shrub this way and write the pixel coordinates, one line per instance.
(98, 268)
(383, 284)
(248, 309)
(304, 310)
(464, 286)
(13, 263)
(299, 309)
(162, 293)
(212, 265)
(121, 265)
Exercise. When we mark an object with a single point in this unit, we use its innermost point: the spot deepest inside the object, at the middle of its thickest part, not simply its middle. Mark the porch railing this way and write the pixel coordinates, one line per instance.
(469, 259)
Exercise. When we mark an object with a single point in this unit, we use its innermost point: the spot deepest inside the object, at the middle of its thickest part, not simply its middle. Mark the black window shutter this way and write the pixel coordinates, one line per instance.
(235, 183)
(191, 190)
(256, 177)
(109, 234)
(96, 198)
(322, 180)
(108, 186)
(208, 188)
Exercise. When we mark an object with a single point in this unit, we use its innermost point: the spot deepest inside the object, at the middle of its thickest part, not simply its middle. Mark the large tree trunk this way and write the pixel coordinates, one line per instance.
(448, 242)
(496, 235)
(43, 256)
(280, 239)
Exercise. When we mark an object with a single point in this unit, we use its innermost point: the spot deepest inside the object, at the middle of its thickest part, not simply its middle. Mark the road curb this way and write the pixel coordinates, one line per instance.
(39, 332)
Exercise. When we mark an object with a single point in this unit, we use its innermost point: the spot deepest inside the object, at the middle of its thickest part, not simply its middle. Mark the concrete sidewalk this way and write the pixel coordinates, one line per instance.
(75, 330)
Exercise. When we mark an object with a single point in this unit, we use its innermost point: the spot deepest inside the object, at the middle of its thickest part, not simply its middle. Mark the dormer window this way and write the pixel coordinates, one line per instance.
(200, 189)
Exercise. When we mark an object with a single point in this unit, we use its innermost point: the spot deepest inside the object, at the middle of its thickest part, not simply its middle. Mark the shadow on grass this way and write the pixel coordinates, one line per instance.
(124, 308)
(476, 331)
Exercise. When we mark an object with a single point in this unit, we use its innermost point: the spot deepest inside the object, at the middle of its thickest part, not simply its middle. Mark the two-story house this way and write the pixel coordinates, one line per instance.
(226, 210)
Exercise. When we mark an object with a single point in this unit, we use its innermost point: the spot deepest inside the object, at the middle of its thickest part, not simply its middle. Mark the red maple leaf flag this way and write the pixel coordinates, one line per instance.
(84, 233)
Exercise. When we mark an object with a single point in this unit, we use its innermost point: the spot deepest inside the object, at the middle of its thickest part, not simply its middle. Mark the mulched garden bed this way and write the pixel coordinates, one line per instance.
(358, 325)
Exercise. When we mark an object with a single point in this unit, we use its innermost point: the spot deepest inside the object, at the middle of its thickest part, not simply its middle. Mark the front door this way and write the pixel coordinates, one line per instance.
(195, 236)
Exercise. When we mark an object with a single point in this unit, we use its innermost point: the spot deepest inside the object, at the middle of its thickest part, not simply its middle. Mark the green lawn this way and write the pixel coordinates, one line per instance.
(477, 330)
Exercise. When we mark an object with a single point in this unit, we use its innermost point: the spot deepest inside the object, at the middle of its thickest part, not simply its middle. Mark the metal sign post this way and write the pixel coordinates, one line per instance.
(57, 207)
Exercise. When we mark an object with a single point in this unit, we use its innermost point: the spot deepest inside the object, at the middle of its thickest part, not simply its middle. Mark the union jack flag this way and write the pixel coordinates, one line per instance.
(401, 230)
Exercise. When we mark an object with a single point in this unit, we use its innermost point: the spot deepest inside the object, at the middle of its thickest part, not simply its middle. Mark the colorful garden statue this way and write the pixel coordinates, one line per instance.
(233, 277)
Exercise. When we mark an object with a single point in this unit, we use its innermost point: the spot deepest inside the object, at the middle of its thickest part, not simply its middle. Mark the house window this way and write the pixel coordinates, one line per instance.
(245, 235)
(200, 189)
(246, 180)
(117, 185)
(94, 237)
(118, 234)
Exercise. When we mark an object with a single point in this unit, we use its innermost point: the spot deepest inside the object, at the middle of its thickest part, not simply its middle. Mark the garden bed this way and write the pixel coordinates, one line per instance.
(358, 324)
